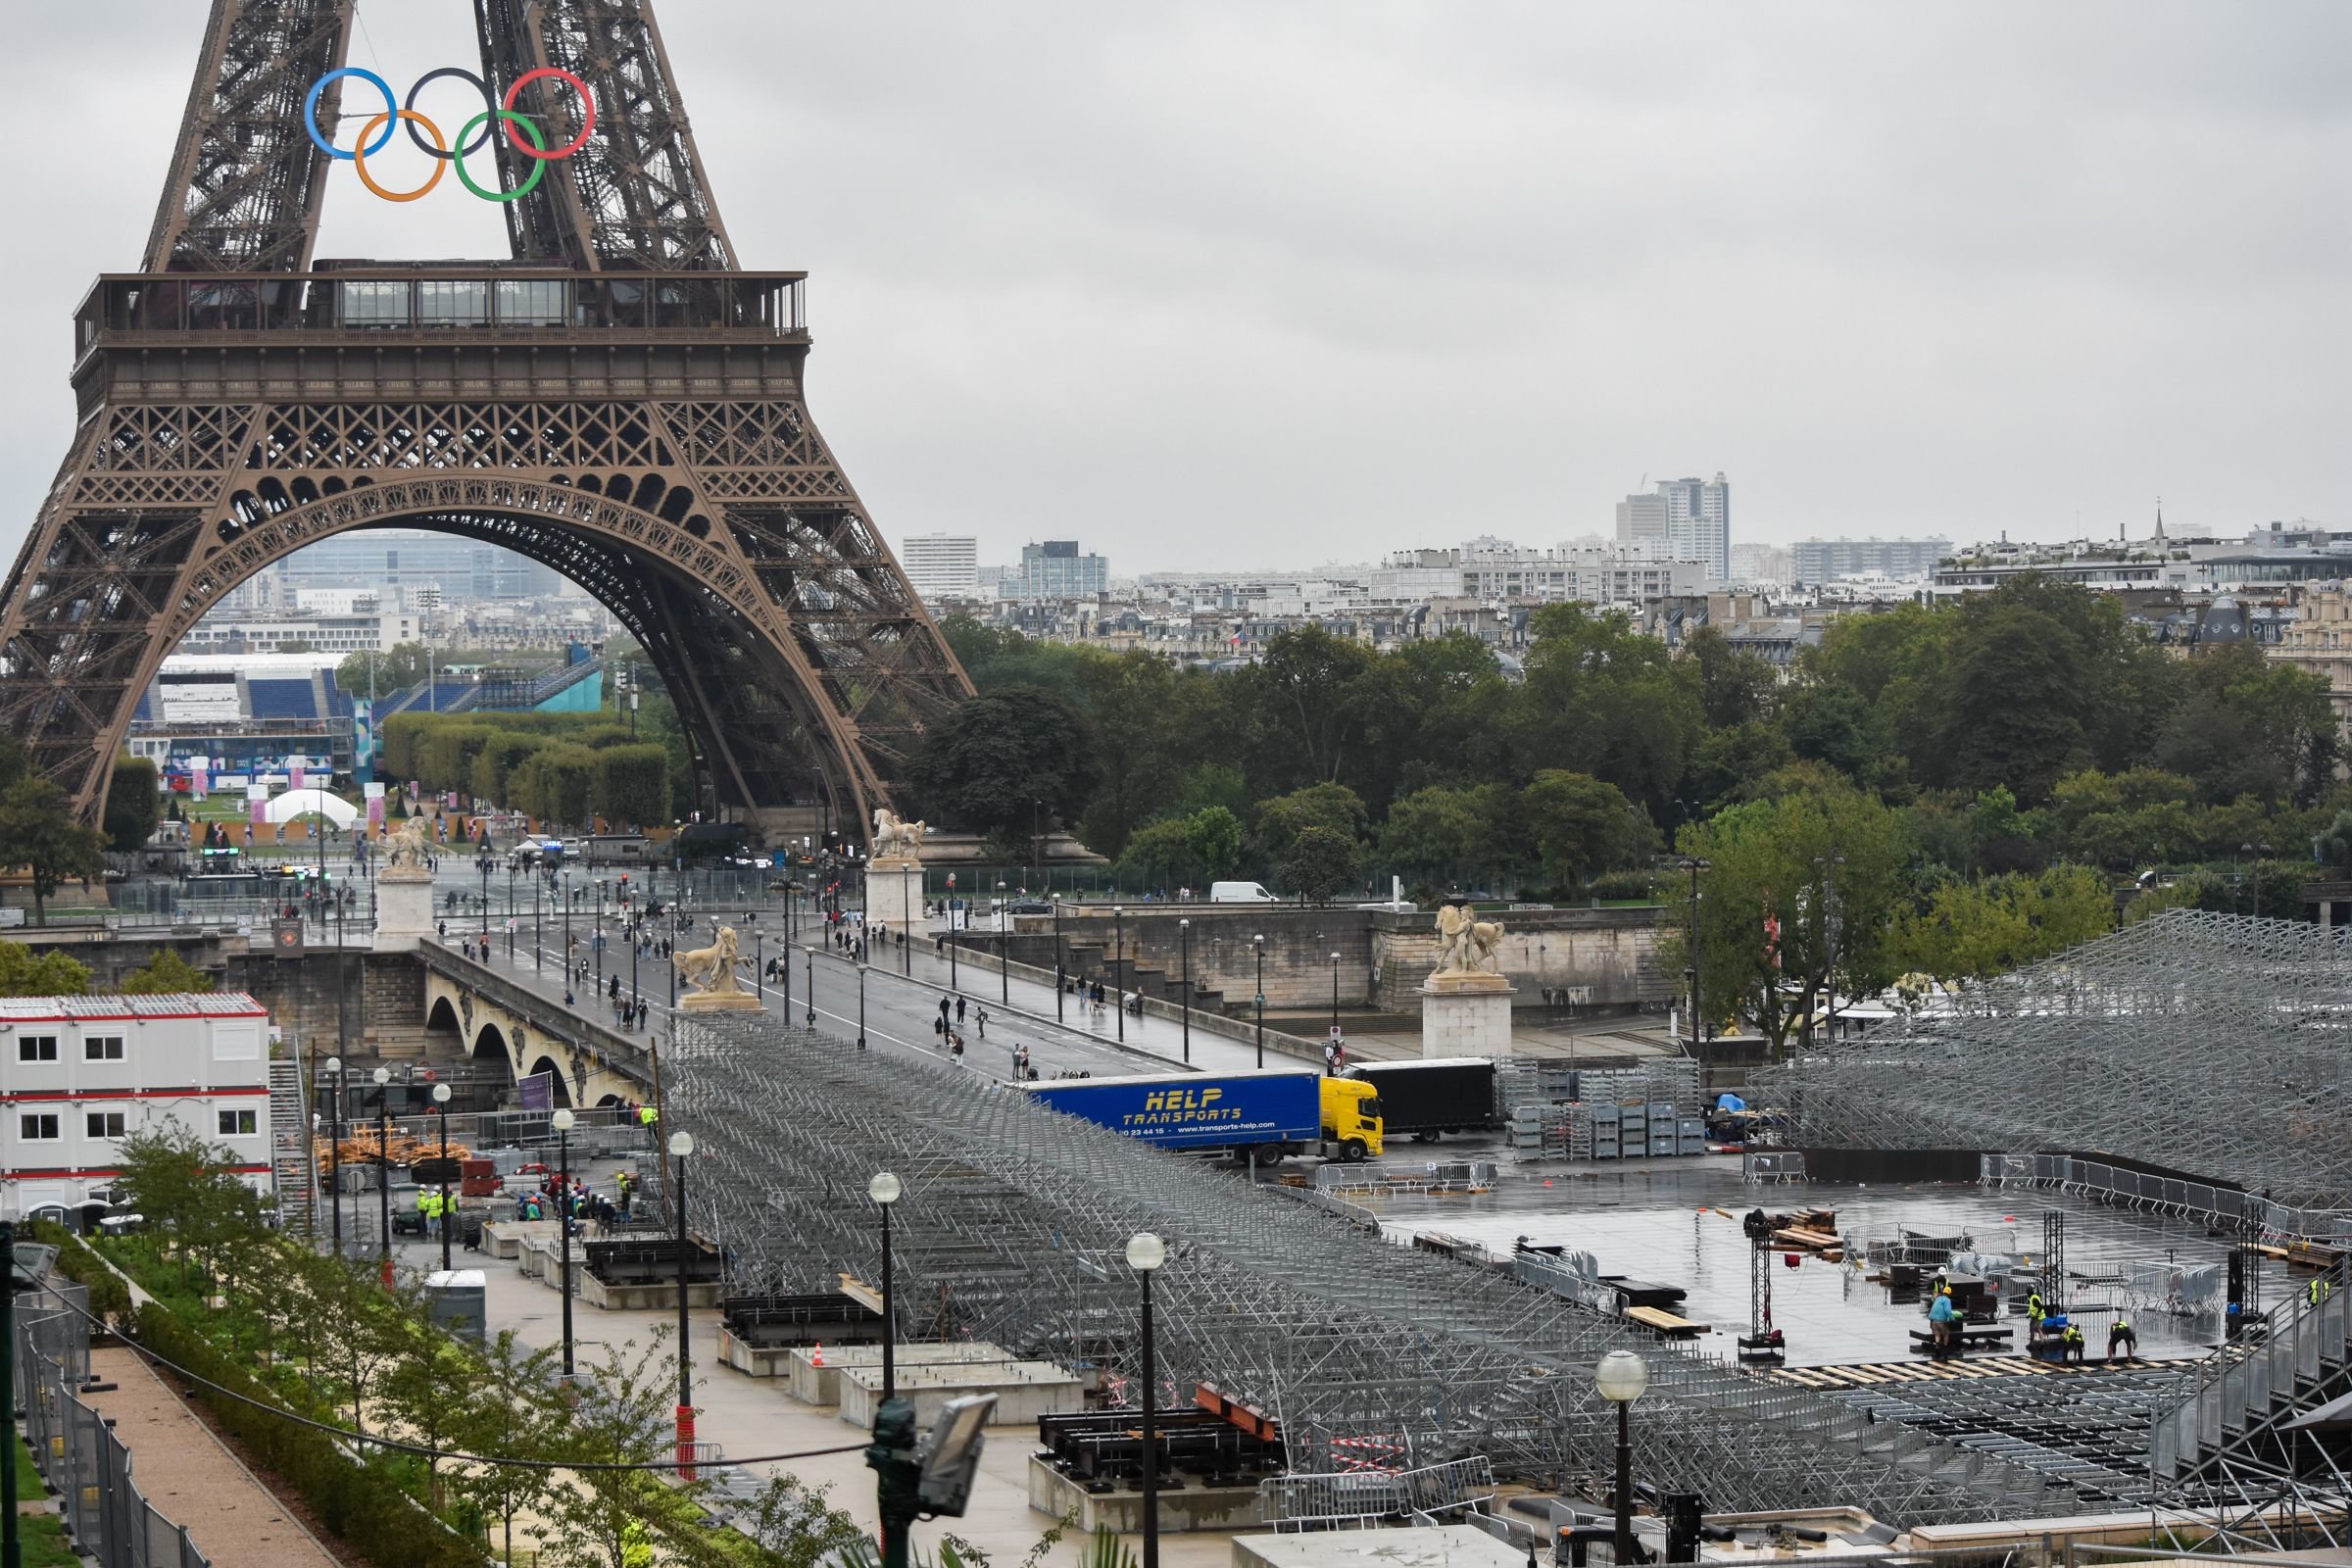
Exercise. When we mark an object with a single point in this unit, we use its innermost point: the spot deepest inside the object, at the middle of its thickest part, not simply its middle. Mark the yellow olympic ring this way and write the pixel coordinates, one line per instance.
(359, 156)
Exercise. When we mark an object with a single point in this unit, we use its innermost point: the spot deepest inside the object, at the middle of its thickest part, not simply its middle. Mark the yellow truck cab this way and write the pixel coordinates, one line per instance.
(1351, 1117)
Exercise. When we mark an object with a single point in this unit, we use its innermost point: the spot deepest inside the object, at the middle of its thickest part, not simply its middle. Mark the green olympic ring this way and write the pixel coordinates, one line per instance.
(538, 166)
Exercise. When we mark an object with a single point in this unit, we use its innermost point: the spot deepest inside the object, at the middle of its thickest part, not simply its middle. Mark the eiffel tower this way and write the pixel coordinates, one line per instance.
(620, 400)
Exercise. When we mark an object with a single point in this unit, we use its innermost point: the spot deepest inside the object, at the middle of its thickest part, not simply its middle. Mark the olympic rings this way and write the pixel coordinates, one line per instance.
(587, 104)
(483, 119)
(360, 154)
(496, 111)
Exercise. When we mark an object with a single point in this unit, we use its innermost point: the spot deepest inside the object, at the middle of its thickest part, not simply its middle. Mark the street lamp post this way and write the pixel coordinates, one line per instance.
(510, 913)
(1118, 963)
(596, 937)
(566, 890)
(681, 1145)
(1335, 995)
(809, 974)
(884, 1190)
(1698, 1035)
(538, 929)
(1058, 959)
(861, 1005)
(481, 863)
(383, 1167)
(1621, 1376)
(441, 1112)
(334, 1157)
(563, 1120)
(1259, 942)
(1146, 1252)
(1184, 932)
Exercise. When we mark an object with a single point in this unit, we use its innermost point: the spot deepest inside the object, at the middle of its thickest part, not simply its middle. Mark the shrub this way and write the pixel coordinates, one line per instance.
(1611, 886)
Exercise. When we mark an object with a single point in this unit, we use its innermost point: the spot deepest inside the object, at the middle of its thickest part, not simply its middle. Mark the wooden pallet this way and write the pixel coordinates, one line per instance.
(1882, 1373)
(1665, 1322)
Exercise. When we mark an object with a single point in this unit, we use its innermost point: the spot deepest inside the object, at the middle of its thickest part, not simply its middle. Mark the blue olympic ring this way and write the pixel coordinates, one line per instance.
(310, 112)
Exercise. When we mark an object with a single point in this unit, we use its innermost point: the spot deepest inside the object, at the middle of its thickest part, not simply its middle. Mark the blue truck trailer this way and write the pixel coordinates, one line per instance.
(1266, 1113)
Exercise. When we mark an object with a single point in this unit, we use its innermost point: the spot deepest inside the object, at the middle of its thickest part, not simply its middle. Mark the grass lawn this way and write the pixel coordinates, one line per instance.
(43, 1533)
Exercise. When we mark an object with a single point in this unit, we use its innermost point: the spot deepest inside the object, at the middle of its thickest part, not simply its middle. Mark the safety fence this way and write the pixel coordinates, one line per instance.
(76, 1453)
(1370, 1496)
(2177, 1196)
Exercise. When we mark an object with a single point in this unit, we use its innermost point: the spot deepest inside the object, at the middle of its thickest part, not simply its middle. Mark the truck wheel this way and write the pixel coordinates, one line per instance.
(1425, 1137)
(1354, 1151)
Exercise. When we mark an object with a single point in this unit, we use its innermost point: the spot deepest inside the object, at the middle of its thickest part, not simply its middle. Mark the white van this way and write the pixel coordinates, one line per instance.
(1239, 893)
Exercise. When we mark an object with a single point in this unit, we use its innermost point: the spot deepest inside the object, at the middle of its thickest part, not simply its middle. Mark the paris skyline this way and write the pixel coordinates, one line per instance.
(1292, 284)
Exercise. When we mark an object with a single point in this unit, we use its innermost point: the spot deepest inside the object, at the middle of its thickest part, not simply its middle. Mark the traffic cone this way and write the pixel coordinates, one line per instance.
(819, 1359)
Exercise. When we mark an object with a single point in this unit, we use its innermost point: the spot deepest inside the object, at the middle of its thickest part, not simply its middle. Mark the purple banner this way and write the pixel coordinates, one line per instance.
(538, 1092)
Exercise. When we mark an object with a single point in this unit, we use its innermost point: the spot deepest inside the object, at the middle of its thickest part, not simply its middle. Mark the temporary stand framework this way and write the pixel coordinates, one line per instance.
(1013, 1228)
(2190, 1042)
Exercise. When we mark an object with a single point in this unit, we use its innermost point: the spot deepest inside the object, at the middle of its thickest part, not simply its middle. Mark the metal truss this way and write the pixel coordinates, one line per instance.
(2211, 1044)
(1013, 1230)
(634, 195)
(244, 190)
(643, 431)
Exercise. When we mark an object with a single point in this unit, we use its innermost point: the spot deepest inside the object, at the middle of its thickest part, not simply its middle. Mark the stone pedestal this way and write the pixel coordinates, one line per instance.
(893, 893)
(737, 1000)
(404, 909)
(1466, 1016)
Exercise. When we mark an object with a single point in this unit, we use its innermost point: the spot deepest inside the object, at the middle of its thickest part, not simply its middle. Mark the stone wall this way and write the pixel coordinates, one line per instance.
(1383, 955)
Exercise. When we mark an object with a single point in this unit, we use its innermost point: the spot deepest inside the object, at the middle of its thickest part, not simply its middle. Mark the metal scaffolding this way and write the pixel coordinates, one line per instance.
(1013, 1229)
(2211, 1044)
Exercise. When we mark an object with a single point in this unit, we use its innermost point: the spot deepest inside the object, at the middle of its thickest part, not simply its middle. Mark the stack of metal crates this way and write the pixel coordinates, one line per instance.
(1554, 1112)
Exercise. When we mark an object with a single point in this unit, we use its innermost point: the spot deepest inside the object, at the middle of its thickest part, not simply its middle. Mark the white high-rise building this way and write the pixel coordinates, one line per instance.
(1685, 519)
(941, 565)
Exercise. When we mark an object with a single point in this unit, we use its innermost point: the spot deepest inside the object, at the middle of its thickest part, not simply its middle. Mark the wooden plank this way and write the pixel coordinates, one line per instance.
(1665, 1322)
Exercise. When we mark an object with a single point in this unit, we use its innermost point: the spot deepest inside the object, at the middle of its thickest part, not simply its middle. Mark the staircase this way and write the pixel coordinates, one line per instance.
(289, 1155)
(2230, 1405)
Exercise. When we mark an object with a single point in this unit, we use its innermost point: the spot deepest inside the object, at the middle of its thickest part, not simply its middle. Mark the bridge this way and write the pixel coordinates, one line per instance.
(499, 1017)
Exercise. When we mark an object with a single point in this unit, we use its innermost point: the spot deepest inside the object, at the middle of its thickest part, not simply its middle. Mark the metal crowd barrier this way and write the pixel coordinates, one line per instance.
(76, 1453)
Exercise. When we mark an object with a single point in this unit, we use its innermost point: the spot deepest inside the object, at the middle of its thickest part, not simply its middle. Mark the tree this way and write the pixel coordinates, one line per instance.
(493, 776)
(1308, 701)
(1333, 807)
(512, 1411)
(1000, 759)
(165, 973)
(1973, 930)
(1735, 687)
(188, 1186)
(631, 784)
(1432, 834)
(1158, 853)
(1318, 863)
(38, 834)
(1212, 836)
(134, 804)
(26, 972)
(1797, 898)
(386, 674)
(1603, 698)
(624, 1417)
(1581, 826)
(794, 1525)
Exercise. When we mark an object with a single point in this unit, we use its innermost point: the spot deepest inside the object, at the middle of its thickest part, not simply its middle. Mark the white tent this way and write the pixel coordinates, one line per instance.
(311, 803)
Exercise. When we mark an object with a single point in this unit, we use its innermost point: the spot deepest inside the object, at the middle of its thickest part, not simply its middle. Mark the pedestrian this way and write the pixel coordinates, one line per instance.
(955, 1046)
(1331, 1057)
(943, 1012)
(643, 1010)
(980, 1016)
(959, 1009)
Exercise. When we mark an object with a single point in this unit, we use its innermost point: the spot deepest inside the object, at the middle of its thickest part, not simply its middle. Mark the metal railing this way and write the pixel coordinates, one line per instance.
(1364, 1496)
(77, 1453)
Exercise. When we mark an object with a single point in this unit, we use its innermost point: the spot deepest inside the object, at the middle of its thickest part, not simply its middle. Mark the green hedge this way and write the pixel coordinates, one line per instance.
(359, 1504)
(110, 1296)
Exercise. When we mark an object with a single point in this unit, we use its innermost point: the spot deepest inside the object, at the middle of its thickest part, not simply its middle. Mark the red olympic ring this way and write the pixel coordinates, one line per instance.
(587, 103)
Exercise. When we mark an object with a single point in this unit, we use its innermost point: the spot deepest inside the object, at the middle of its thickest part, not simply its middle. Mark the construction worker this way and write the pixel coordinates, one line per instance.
(428, 1202)
(2074, 1344)
(2318, 1290)
(646, 1117)
(2034, 1313)
(2120, 1333)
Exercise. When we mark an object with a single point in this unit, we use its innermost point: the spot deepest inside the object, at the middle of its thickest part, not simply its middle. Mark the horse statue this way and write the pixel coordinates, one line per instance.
(1467, 945)
(896, 837)
(712, 968)
(407, 848)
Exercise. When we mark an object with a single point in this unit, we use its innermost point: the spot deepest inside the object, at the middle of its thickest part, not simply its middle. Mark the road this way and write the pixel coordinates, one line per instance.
(901, 1007)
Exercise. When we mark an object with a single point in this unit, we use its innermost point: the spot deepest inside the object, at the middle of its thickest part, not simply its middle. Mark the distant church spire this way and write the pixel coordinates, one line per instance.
(2159, 539)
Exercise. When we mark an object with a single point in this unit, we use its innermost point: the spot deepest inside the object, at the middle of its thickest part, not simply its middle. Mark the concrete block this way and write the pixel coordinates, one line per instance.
(1024, 1389)
(821, 1385)
(1182, 1505)
(663, 1298)
(1464, 1022)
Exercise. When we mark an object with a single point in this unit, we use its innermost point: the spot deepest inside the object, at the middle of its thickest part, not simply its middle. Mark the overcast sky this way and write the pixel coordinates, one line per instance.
(1267, 284)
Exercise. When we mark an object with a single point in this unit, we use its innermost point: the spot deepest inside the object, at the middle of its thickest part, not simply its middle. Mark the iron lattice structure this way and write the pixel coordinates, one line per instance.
(1013, 1230)
(619, 401)
(2212, 1044)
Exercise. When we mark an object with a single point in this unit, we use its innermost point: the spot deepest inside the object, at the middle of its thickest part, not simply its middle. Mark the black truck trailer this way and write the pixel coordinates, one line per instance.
(1424, 1100)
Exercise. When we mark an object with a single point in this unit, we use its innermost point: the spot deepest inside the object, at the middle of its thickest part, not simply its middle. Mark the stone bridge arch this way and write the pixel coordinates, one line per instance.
(590, 1074)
